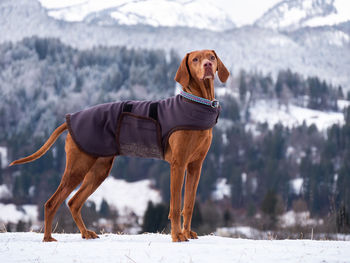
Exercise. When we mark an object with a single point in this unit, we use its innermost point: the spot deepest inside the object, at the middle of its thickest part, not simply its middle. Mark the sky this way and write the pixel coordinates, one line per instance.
(247, 11)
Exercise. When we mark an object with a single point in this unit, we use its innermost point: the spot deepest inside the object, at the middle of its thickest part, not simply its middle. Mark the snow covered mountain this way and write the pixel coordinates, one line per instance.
(249, 47)
(203, 14)
(294, 14)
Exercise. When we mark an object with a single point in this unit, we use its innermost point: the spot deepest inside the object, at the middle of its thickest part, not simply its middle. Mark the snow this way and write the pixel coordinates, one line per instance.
(296, 185)
(290, 115)
(242, 231)
(223, 189)
(3, 157)
(198, 14)
(225, 91)
(126, 197)
(5, 192)
(12, 213)
(342, 104)
(290, 150)
(306, 13)
(280, 41)
(224, 139)
(338, 38)
(74, 11)
(207, 14)
(291, 218)
(247, 12)
(31, 212)
(53, 4)
(292, 17)
(341, 15)
(27, 247)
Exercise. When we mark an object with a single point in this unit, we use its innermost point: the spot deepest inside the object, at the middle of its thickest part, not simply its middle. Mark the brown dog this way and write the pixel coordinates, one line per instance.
(186, 151)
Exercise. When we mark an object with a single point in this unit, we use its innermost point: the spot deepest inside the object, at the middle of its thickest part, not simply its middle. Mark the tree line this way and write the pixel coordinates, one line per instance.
(42, 79)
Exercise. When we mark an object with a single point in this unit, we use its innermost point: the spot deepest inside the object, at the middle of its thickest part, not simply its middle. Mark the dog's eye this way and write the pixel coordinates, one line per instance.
(212, 57)
(195, 59)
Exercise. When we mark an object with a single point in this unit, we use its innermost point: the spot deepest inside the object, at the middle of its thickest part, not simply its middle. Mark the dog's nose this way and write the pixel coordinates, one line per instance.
(207, 64)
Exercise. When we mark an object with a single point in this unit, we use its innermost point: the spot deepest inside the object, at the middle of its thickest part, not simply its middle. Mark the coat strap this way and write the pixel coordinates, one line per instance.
(127, 107)
(153, 111)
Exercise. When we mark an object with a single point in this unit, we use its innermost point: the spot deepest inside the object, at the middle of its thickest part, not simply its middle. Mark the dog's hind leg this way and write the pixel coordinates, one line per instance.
(96, 175)
(77, 165)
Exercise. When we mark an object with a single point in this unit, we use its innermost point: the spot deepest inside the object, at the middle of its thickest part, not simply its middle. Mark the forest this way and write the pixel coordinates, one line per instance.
(42, 79)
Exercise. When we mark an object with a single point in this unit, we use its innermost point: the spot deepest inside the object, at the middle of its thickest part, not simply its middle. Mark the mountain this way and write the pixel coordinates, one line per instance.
(203, 14)
(199, 14)
(250, 47)
(295, 14)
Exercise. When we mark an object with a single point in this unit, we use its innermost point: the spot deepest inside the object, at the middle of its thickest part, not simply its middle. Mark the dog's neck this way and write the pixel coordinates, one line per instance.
(204, 88)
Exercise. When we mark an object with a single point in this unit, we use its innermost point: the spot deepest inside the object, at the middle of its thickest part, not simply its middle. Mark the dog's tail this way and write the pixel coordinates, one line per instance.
(43, 148)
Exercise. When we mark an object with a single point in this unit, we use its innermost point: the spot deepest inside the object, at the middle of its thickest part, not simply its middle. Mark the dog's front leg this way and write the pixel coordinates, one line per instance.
(176, 181)
(192, 179)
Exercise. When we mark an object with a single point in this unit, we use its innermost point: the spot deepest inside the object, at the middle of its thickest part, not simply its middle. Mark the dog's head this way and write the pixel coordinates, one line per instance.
(200, 65)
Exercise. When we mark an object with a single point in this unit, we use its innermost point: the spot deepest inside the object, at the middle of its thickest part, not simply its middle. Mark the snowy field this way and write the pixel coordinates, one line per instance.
(27, 247)
(291, 116)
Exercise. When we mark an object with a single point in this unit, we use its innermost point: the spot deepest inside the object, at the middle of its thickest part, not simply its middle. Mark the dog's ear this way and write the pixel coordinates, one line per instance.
(183, 74)
(222, 70)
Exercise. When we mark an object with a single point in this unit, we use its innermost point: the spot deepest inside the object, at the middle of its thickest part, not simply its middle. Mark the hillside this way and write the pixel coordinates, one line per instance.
(294, 14)
(271, 133)
(281, 146)
(203, 14)
(250, 47)
(16, 247)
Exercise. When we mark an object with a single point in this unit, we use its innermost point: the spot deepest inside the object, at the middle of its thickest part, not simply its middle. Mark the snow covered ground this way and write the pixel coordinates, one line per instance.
(27, 247)
(3, 157)
(12, 213)
(291, 218)
(269, 111)
(5, 192)
(125, 196)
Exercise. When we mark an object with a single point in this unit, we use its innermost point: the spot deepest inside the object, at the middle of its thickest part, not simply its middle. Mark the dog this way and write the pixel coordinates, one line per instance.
(184, 148)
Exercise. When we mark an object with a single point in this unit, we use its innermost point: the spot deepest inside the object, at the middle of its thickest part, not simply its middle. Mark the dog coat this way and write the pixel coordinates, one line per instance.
(137, 128)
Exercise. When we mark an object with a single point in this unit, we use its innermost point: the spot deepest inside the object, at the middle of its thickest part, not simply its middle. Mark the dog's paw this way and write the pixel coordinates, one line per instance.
(179, 237)
(49, 239)
(190, 234)
(89, 235)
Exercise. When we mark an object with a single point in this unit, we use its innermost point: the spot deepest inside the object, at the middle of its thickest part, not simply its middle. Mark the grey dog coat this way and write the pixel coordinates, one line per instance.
(137, 128)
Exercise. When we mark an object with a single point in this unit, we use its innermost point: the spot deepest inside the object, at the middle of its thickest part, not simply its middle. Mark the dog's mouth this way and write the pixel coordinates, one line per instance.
(208, 74)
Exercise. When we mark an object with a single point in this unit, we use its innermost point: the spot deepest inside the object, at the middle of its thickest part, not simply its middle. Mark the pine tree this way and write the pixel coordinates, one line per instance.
(155, 218)
(268, 206)
(227, 218)
(104, 209)
(21, 226)
(0, 171)
(197, 219)
(279, 84)
(242, 85)
(340, 92)
(343, 220)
